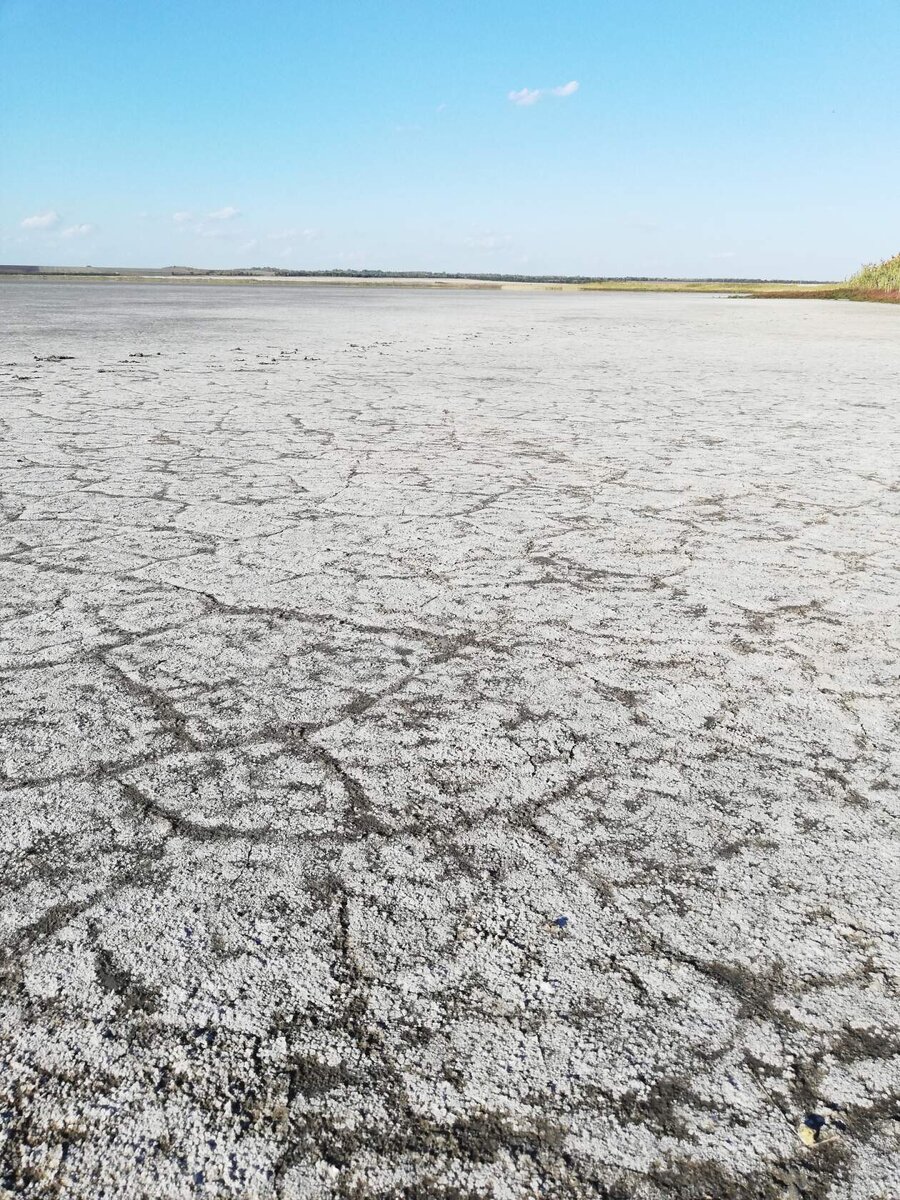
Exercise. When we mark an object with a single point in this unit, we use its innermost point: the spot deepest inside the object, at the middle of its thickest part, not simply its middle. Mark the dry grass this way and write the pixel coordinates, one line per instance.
(734, 287)
(878, 277)
(839, 291)
(875, 282)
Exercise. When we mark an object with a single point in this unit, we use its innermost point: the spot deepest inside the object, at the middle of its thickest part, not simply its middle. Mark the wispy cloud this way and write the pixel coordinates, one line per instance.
(77, 231)
(488, 241)
(527, 96)
(210, 225)
(45, 220)
(293, 235)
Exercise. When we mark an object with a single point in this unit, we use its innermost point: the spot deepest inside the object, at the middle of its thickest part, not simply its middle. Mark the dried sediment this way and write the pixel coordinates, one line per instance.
(449, 746)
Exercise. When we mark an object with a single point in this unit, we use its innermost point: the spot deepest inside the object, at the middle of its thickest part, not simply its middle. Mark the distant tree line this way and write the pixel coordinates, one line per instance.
(369, 273)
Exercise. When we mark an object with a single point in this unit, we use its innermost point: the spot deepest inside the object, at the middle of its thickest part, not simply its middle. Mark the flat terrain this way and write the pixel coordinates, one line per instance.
(786, 289)
(450, 745)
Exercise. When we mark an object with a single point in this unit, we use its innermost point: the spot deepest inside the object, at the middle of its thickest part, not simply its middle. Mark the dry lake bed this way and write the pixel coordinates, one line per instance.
(449, 745)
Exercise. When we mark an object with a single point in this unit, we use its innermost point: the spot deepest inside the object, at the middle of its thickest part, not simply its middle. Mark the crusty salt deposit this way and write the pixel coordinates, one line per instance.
(449, 745)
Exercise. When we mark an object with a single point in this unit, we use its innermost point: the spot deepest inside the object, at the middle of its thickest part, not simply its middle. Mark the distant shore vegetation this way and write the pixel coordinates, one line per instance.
(878, 282)
(875, 282)
(350, 275)
(879, 277)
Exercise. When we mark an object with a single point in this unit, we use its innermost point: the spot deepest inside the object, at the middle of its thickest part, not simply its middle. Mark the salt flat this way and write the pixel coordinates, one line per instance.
(449, 745)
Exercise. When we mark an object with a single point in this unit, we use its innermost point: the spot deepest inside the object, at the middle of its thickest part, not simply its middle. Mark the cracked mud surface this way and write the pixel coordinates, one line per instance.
(449, 746)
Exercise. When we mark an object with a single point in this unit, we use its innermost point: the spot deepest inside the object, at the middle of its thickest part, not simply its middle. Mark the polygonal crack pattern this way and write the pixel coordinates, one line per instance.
(448, 745)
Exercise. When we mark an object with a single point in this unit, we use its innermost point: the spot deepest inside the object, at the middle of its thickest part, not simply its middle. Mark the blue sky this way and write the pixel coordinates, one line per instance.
(757, 138)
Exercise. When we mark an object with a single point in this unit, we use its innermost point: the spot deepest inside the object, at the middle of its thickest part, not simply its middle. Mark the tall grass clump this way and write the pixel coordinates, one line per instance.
(878, 277)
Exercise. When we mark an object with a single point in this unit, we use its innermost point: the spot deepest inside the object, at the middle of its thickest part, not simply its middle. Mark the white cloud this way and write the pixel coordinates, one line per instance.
(44, 220)
(214, 225)
(77, 231)
(527, 96)
(292, 235)
(488, 241)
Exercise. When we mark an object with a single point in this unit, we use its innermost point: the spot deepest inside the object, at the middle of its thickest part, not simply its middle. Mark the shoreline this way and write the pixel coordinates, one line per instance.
(708, 286)
(756, 289)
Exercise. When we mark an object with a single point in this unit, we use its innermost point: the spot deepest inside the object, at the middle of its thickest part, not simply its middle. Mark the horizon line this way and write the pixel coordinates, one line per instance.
(176, 270)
